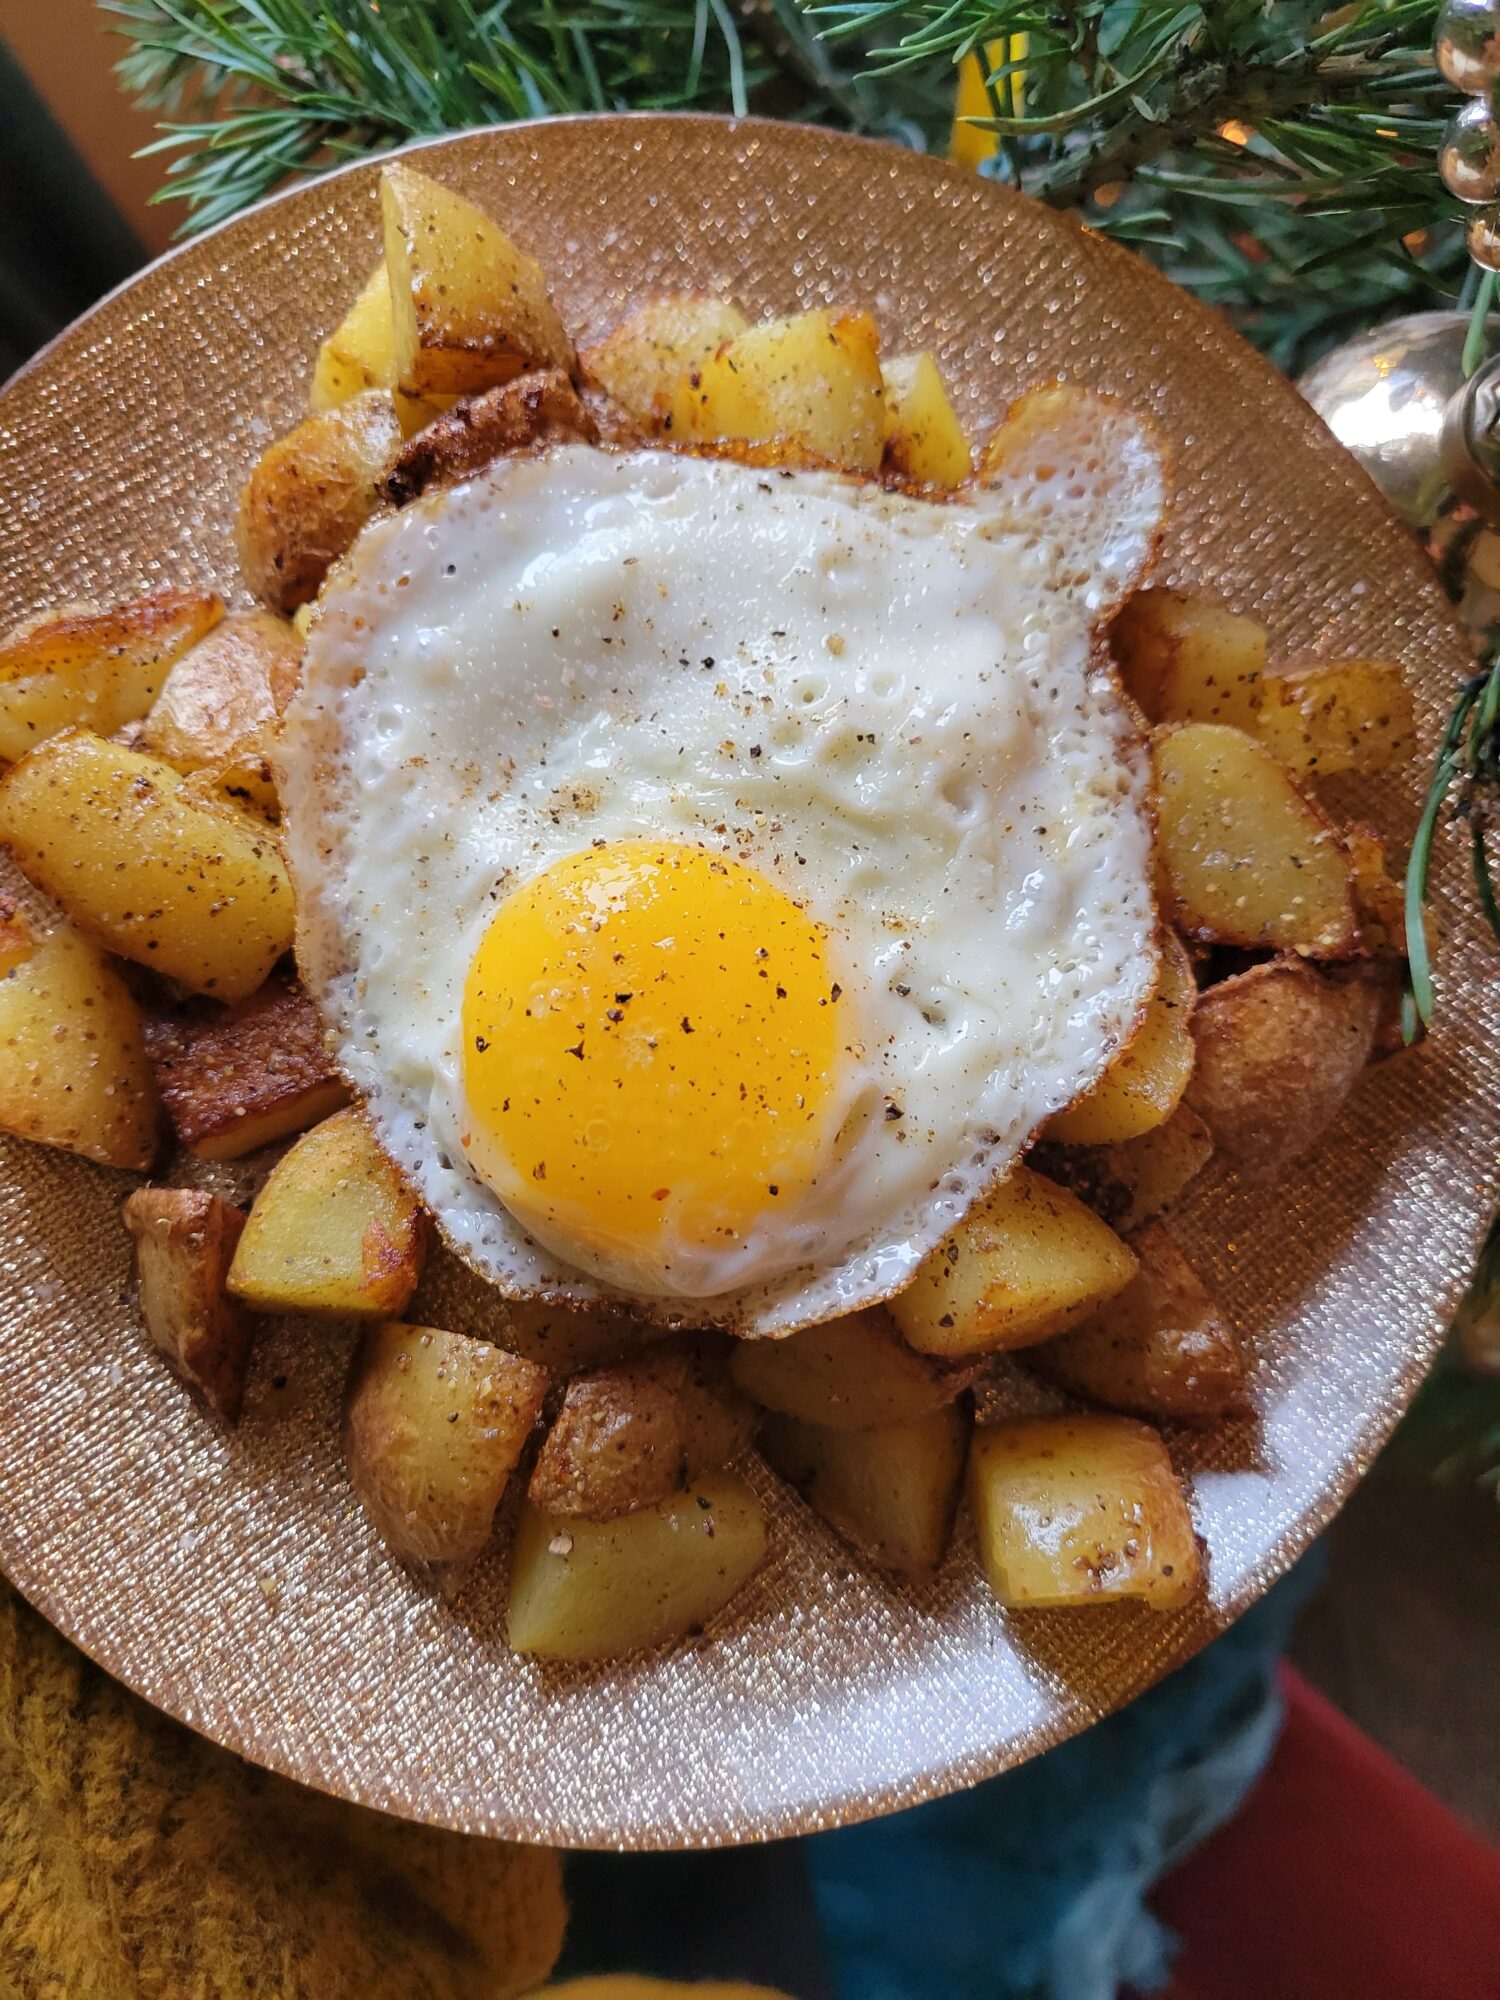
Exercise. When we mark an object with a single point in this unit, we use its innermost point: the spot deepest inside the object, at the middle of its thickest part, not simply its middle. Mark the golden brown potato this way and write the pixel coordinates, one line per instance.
(360, 354)
(246, 786)
(234, 1080)
(812, 381)
(892, 1492)
(470, 310)
(1143, 1086)
(1080, 1510)
(1326, 716)
(1280, 1047)
(538, 408)
(1161, 1347)
(643, 359)
(854, 1373)
(633, 1434)
(590, 1590)
(924, 440)
(222, 700)
(335, 1230)
(196, 895)
(73, 1068)
(1027, 1261)
(184, 1241)
(1132, 1183)
(1186, 659)
(1244, 857)
(434, 1425)
(17, 939)
(95, 669)
(310, 494)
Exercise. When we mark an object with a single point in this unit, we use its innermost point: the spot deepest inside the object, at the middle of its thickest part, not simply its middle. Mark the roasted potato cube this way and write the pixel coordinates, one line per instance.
(1280, 1047)
(1246, 858)
(1027, 1261)
(184, 1241)
(589, 1590)
(1143, 1086)
(892, 1492)
(641, 362)
(1078, 1510)
(310, 494)
(470, 310)
(1186, 659)
(73, 1067)
(1135, 1181)
(540, 407)
(1161, 1347)
(103, 830)
(17, 939)
(222, 700)
(813, 379)
(238, 1079)
(335, 1230)
(247, 786)
(94, 669)
(855, 1373)
(633, 1434)
(360, 354)
(434, 1425)
(1327, 716)
(923, 437)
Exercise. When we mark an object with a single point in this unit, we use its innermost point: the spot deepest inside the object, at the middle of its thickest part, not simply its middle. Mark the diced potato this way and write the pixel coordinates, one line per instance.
(184, 1241)
(360, 354)
(238, 1079)
(17, 939)
(641, 362)
(1132, 1183)
(1245, 858)
(1080, 1510)
(1379, 901)
(813, 379)
(1143, 1086)
(1187, 659)
(1160, 1347)
(854, 1373)
(193, 894)
(1280, 1047)
(537, 408)
(223, 700)
(923, 437)
(590, 1590)
(335, 1230)
(94, 669)
(73, 1067)
(246, 786)
(1327, 716)
(434, 1425)
(470, 310)
(892, 1492)
(310, 494)
(631, 1435)
(1027, 1261)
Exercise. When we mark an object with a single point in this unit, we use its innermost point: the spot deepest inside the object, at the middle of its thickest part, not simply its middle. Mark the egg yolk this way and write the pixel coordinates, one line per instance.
(651, 1038)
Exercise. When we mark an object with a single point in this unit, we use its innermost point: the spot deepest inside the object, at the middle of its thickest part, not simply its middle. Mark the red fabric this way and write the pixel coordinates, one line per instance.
(1341, 1879)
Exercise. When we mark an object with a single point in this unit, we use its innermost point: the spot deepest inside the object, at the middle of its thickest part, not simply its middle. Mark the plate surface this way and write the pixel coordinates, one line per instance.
(233, 1581)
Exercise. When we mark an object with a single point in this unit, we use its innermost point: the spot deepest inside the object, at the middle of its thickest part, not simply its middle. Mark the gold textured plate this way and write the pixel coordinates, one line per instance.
(233, 1580)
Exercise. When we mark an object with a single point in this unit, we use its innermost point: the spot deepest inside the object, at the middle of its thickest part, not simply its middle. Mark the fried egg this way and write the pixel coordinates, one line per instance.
(712, 877)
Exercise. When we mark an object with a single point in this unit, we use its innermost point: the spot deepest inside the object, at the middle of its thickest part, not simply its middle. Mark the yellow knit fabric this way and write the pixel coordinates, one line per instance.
(137, 1862)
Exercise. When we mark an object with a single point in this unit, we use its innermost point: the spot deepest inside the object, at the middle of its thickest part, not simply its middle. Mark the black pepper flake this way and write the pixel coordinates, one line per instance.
(576, 1050)
(771, 1188)
(893, 1112)
(480, 1043)
(946, 1320)
(687, 1026)
(835, 992)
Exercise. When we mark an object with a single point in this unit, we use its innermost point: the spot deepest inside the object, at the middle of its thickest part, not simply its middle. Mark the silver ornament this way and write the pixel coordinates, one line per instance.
(1469, 157)
(1483, 239)
(1467, 44)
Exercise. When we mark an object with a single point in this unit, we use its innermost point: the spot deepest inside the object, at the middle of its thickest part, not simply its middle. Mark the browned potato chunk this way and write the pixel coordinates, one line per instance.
(335, 1230)
(854, 1373)
(360, 354)
(924, 440)
(1079, 1510)
(223, 699)
(1187, 659)
(1244, 857)
(541, 407)
(470, 310)
(434, 1425)
(1326, 716)
(17, 939)
(1160, 1347)
(634, 1434)
(1144, 1084)
(104, 831)
(1280, 1047)
(94, 669)
(1027, 1261)
(310, 494)
(641, 362)
(184, 1241)
(236, 1080)
(812, 381)
(1132, 1183)
(73, 1068)
(590, 1590)
(892, 1492)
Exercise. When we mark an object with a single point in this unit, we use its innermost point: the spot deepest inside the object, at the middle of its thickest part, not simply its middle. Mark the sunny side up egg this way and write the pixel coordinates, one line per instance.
(713, 876)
